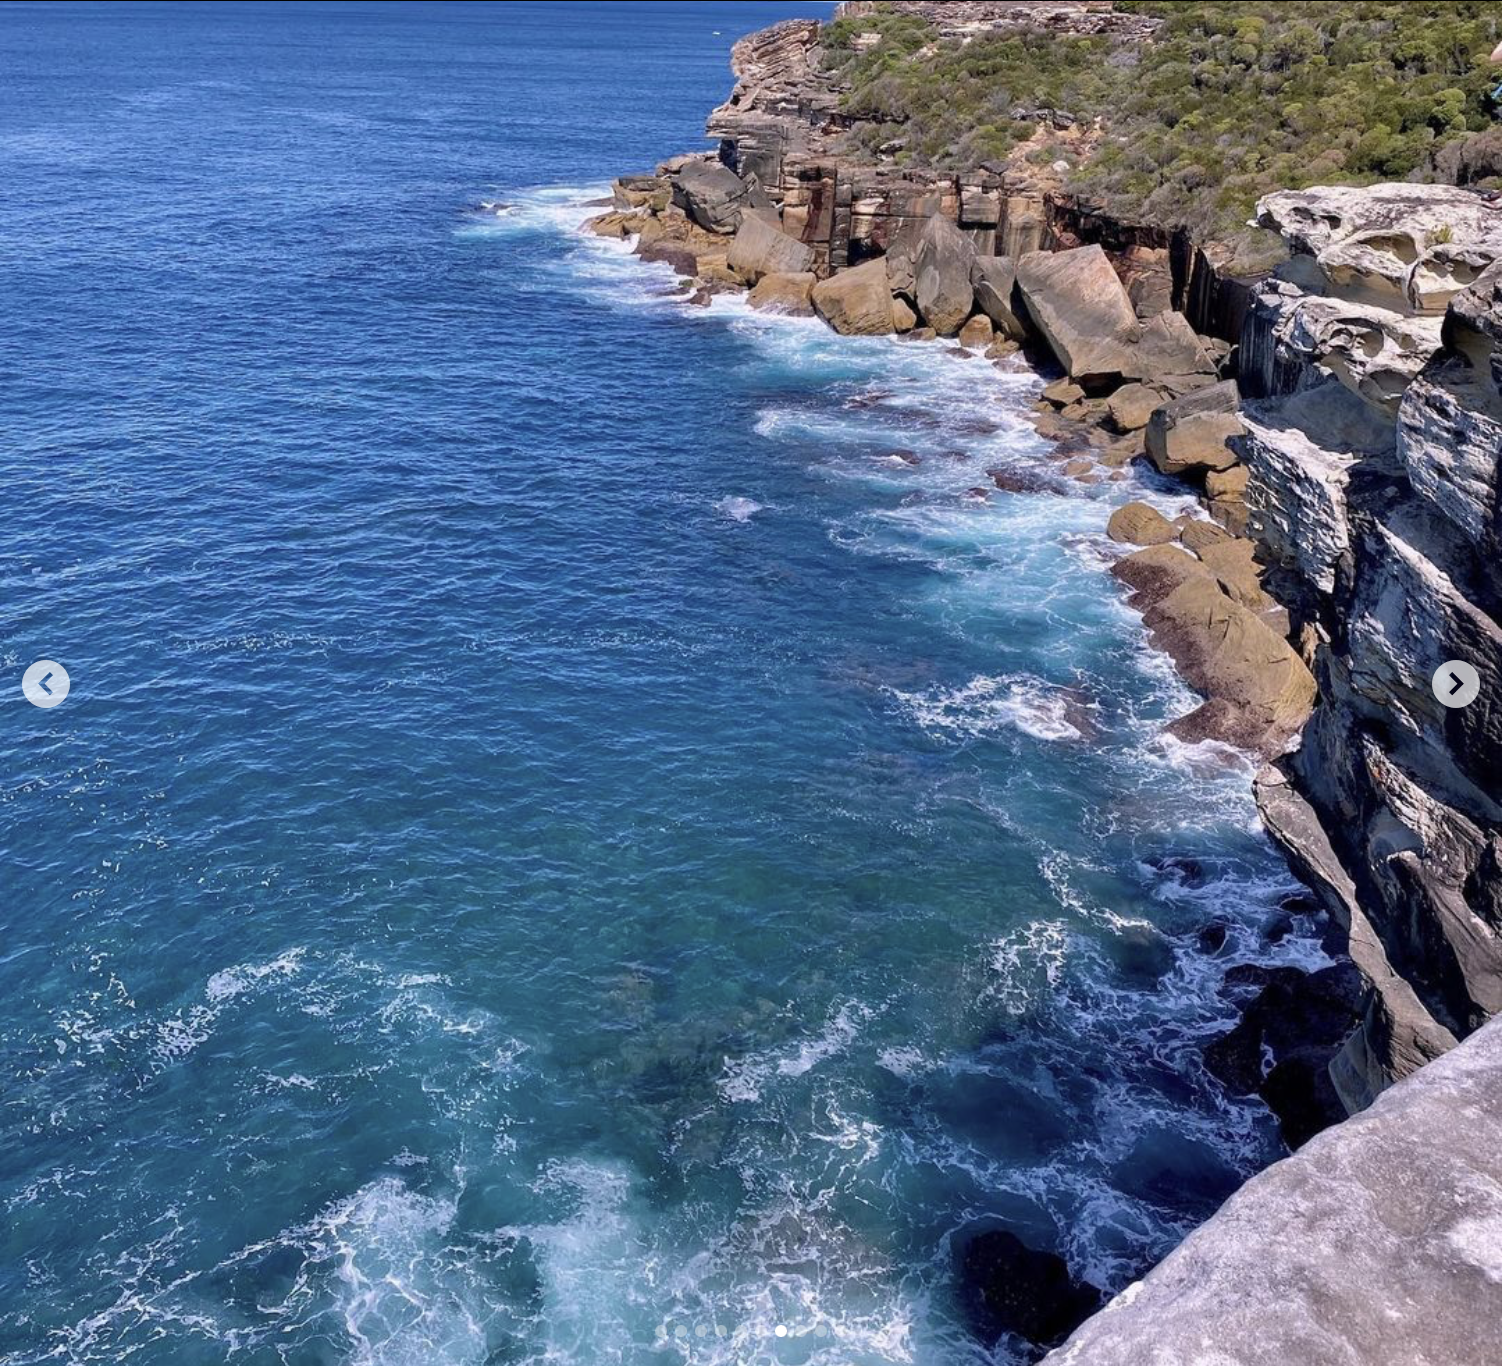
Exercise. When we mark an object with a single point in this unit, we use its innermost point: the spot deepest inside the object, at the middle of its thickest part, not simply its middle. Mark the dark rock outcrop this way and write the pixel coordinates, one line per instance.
(1008, 1287)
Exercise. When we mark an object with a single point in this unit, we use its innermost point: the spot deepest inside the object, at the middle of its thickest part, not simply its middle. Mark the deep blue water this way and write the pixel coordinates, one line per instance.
(560, 848)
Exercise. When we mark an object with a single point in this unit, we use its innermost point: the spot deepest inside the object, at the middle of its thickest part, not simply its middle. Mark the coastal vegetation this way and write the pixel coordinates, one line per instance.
(1227, 102)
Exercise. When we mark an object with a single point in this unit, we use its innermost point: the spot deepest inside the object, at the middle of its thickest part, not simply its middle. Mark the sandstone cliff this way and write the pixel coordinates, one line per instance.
(1374, 442)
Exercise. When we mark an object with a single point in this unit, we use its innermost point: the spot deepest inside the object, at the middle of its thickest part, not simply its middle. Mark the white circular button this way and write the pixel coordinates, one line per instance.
(45, 683)
(1456, 683)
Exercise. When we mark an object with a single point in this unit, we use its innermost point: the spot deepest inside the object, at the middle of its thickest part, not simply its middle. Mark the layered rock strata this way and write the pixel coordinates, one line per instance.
(1373, 443)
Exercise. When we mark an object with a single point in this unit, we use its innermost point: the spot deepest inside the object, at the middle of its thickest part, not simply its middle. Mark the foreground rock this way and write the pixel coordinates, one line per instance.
(1375, 1245)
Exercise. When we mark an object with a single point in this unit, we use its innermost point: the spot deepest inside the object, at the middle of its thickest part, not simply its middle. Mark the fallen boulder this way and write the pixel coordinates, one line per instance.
(994, 280)
(1191, 432)
(941, 276)
(858, 301)
(1138, 524)
(977, 334)
(760, 249)
(788, 293)
(1078, 303)
(714, 196)
(1131, 407)
(1228, 653)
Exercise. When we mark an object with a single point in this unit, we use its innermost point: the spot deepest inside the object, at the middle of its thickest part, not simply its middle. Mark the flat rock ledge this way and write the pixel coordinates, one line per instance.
(1378, 1244)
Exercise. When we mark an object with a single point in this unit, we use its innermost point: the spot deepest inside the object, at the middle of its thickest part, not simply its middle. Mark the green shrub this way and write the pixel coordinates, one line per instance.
(1228, 101)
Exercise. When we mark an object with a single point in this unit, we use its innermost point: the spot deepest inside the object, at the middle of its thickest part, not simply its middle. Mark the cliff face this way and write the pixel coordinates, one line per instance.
(782, 127)
(1377, 1244)
(1373, 443)
(1373, 419)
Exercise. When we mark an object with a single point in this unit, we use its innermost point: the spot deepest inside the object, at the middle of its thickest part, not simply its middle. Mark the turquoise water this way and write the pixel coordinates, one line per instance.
(562, 847)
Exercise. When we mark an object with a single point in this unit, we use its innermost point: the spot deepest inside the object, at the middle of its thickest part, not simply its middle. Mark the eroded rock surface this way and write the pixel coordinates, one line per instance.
(1378, 506)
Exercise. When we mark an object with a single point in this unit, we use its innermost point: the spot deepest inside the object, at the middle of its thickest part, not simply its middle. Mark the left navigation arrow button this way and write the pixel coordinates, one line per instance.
(45, 683)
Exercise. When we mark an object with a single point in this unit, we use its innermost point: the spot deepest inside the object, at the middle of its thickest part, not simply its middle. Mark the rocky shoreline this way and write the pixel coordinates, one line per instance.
(1340, 419)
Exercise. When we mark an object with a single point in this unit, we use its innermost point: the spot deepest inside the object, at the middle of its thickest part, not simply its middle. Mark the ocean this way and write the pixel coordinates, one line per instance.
(574, 838)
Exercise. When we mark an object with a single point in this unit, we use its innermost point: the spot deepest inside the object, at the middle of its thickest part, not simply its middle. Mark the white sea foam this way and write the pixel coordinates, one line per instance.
(232, 982)
(984, 705)
(1028, 963)
(744, 1079)
(738, 509)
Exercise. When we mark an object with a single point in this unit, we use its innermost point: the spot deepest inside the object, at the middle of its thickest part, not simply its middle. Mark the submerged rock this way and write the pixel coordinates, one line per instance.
(1007, 1287)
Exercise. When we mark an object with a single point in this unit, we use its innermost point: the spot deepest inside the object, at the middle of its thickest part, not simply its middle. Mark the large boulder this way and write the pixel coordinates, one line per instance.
(1191, 433)
(641, 192)
(761, 249)
(1197, 443)
(714, 196)
(858, 301)
(1138, 524)
(1229, 654)
(994, 279)
(1131, 407)
(1152, 574)
(1075, 299)
(780, 293)
(941, 276)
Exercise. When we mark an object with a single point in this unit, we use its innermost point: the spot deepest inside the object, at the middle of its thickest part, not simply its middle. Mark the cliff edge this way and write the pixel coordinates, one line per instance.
(1377, 1244)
